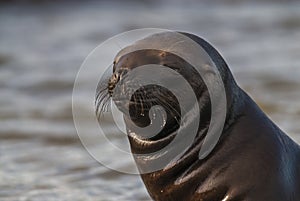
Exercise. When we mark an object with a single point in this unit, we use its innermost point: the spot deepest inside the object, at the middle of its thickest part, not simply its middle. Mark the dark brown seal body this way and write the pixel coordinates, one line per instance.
(253, 160)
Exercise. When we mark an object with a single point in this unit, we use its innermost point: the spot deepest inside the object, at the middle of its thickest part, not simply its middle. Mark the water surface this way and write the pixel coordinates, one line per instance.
(42, 47)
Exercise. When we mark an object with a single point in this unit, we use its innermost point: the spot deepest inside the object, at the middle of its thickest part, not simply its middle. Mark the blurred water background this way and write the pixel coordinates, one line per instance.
(43, 43)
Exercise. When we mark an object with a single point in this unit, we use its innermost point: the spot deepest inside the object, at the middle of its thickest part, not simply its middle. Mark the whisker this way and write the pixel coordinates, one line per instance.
(143, 97)
(102, 98)
(168, 107)
(102, 106)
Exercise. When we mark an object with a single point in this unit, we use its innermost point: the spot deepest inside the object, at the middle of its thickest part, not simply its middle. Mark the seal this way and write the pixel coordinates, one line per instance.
(252, 160)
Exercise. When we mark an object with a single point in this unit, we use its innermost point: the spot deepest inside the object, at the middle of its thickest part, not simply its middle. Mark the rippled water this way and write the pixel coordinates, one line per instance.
(42, 47)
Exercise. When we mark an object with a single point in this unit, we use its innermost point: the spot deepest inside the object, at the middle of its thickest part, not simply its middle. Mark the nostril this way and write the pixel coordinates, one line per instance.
(116, 77)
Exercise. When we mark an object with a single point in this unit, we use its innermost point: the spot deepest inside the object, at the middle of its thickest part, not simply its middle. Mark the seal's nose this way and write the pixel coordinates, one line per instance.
(112, 83)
